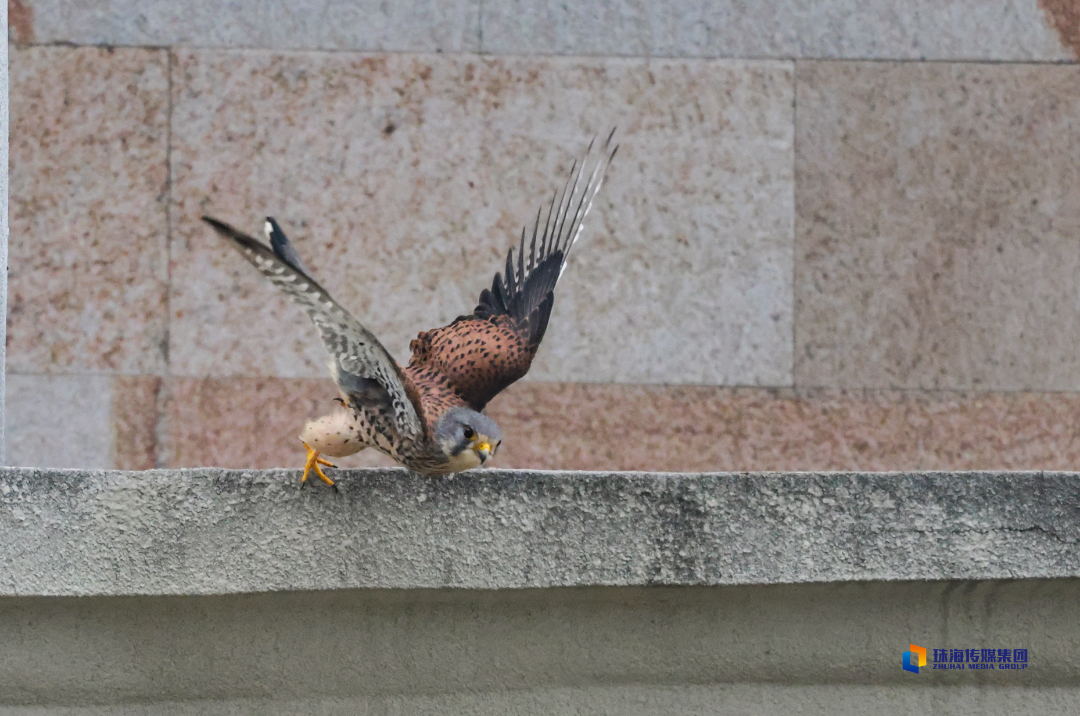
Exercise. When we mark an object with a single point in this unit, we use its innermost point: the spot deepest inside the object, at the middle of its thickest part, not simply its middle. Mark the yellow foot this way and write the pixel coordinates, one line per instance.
(312, 463)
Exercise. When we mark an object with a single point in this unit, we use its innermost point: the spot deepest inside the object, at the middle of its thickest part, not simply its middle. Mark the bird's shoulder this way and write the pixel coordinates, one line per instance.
(432, 391)
(473, 357)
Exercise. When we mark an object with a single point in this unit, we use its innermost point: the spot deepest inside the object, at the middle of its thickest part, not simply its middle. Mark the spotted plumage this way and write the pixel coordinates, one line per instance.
(428, 415)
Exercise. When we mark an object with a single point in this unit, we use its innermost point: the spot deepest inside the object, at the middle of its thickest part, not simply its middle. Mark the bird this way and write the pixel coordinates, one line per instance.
(428, 415)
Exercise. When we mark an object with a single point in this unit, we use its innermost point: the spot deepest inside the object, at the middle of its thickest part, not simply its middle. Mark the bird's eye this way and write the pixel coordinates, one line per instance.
(469, 433)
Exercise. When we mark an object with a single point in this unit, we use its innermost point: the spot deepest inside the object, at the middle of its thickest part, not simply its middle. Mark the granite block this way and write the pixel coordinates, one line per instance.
(136, 421)
(1008, 30)
(1064, 17)
(20, 15)
(404, 179)
(417, 25)
(1016, 30)
(937, 226)
(59, 421)
(245, 423)
(5, 126)
(700, 429)
(88, 252)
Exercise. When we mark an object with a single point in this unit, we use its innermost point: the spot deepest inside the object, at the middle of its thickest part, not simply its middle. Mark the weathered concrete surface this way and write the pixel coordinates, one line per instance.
(162, 554)
(777, 649)
(694, 699)
(213, 531)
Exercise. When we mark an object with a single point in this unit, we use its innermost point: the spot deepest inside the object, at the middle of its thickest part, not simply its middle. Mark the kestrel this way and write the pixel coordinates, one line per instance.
(429, 415)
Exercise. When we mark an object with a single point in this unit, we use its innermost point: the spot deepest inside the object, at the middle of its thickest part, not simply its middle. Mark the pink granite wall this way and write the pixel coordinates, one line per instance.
(839, 239)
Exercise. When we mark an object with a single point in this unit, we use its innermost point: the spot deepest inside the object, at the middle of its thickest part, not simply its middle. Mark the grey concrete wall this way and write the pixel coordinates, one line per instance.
(234, 592)
(752, 651)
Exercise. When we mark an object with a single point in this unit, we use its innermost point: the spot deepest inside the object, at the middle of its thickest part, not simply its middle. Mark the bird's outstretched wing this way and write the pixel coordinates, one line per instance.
(362, 367)
(482, 353)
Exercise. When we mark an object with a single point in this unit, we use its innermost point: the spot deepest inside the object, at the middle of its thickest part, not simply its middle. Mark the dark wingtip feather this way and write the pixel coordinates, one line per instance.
(222, 228)
(238, 237)
(511, 284)
(524, 288)
(249, 246)
(282, 246)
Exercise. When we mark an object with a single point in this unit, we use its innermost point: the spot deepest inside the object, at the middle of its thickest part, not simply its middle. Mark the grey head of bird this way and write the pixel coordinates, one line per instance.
(467, 438)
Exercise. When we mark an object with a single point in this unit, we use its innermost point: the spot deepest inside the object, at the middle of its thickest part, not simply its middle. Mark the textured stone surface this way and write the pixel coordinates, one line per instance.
(656, 650)
(136, 421)
(248, 422)
(404, 179)
(1064, 17)
(597, 427)
(253, 423)
(216, 531)
(21, 18)
(841, 29)
(59, 421)
(88, 272)
(4, 175)
(747, 699)
(937, 223)
(417, 25)
(879, 29)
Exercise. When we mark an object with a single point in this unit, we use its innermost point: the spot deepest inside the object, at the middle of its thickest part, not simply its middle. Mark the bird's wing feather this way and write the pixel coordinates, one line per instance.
(484, 352)
(362, 367)
(281, 246)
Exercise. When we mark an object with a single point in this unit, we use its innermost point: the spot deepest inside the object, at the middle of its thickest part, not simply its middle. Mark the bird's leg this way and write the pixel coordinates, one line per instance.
(312, 463)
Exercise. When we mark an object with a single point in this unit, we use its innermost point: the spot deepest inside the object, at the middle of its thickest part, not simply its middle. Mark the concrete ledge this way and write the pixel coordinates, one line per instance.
(213, 531)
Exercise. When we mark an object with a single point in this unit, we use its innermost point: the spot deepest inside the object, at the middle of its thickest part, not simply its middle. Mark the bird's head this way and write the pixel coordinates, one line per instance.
(468, 438)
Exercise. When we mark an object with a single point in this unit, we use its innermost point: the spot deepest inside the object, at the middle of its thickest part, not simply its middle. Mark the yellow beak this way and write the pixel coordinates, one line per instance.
(483, 449)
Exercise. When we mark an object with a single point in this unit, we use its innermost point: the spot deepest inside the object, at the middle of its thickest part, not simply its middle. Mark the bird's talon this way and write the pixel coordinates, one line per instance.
(324, 478)
(312, 463)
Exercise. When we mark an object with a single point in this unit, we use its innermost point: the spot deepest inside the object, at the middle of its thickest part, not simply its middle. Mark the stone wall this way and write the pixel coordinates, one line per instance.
(837, 236)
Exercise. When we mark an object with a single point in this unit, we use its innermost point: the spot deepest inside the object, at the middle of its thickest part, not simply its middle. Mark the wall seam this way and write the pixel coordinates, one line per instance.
(480, 27)
(5, 119)
(161, 427)
(794, 223)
